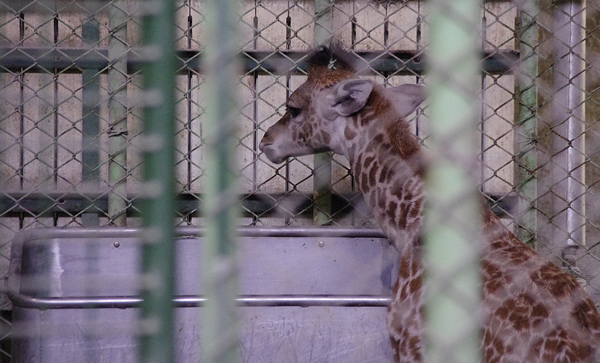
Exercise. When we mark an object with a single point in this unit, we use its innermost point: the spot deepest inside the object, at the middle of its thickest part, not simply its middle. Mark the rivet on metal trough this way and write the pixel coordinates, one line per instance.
(117, 244)
(321, 243)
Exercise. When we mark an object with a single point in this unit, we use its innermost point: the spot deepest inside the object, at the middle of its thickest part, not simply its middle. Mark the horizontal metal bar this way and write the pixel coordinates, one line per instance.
(198, 301)
(35, 234)
(262, 204)
(402, 62)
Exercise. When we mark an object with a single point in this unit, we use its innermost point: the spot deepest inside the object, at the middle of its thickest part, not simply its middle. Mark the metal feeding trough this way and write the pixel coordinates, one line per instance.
(307, 295)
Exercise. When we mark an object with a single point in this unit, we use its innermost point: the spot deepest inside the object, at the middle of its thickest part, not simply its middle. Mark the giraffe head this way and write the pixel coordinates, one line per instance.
(319, 110)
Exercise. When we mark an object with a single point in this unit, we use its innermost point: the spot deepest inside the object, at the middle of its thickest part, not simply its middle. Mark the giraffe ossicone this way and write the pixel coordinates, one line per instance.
(531, 311)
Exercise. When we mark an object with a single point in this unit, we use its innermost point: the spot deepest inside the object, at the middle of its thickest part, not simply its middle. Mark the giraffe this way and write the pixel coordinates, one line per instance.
(532, 311)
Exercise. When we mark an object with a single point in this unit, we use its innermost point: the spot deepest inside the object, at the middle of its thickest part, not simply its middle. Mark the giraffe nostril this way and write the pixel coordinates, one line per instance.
(266, 140)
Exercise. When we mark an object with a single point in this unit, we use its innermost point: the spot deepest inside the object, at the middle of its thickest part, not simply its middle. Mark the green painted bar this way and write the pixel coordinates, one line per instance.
(219, 317)
(117, 110)
(453, 209)
(526, 128)
(158, 208)
(323, 21)
(322, 162)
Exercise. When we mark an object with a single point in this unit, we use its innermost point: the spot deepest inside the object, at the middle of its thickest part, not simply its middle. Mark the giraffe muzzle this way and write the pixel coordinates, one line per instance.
(270, 151)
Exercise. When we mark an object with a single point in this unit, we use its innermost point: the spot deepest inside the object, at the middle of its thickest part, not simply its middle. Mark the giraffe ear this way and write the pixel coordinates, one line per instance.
(406, 98)
(349, 96)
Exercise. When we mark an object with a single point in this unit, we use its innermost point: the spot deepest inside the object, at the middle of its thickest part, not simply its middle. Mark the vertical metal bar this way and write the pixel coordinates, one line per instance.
(190, 113)
(21, 79)
(419, 78)
(323, 21)
(90, 121)
(483, 124)
(54, 122)
(55, 113)
(117, 112)
(322, 189)
(322, 162)
(90, 157)
(44, 157)
(526, 129)
(158, 189)
(288, 86)
(569, 124)
(255, 99)
(386, 46)
(354, 26)
(189, 103)
(219, 337)
(451, 225)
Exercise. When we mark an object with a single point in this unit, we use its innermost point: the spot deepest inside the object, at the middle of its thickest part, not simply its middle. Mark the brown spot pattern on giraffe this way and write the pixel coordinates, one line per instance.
(512, 249)
(557, 344)
(349, 134)
(522, 311)
(493, 278)
(494, 347)
(551, 278)
(583, 312)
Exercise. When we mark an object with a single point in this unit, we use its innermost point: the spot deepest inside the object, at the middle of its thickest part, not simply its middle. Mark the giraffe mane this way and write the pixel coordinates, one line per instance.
(334, 55)
(330, 64)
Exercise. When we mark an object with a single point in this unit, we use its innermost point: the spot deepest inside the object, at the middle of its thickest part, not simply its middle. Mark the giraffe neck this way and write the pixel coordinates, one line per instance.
(386, 161)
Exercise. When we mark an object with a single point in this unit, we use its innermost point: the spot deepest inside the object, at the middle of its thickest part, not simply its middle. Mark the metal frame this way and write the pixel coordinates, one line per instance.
(406, 62)
(123, 302)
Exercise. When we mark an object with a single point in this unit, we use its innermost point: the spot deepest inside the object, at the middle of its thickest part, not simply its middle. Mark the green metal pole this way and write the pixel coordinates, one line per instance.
(158, 197)
(322, 161)
(323, 21)
(526, 130)
(451, 220)
(117, 109)
(219, 318)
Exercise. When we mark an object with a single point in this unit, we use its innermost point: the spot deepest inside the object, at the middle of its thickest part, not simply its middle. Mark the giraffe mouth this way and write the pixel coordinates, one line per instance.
(271, 153)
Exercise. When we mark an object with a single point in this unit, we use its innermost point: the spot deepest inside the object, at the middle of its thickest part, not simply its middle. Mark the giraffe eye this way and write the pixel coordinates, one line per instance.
(294, 111)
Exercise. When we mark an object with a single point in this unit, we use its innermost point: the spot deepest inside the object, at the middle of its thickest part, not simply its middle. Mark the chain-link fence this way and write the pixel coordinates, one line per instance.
(71, 102)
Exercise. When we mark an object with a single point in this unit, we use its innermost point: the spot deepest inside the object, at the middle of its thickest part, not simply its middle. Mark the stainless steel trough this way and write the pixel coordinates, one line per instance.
(307, 295)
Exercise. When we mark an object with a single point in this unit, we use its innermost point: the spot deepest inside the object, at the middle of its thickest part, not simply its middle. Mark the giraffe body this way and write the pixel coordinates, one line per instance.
(532, 311)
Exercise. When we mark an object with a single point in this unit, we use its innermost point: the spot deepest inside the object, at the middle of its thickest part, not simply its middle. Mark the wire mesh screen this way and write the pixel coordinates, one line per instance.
(70, 123)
